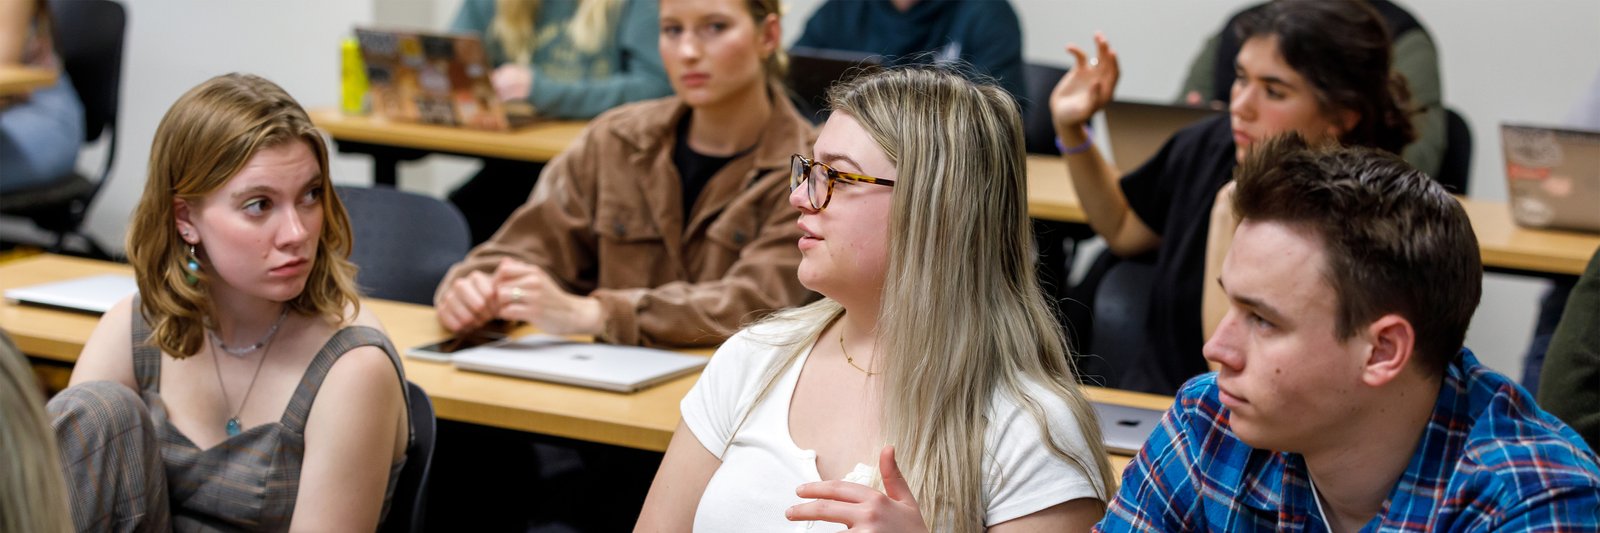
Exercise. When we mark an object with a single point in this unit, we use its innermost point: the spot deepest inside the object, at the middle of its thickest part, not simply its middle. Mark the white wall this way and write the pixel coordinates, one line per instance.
(1501, 61)
(173, 45)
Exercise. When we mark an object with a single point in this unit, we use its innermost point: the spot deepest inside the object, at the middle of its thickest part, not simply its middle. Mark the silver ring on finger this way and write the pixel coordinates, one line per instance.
(1094, 62)
(516, 295)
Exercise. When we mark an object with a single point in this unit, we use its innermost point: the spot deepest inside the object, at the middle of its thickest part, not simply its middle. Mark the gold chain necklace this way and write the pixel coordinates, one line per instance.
(847, 358)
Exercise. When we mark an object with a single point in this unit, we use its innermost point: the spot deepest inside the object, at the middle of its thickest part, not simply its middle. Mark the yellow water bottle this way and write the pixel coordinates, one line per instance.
(353, 78)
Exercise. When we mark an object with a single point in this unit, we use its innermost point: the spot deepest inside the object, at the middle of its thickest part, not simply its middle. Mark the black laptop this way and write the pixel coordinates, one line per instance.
(813, 70)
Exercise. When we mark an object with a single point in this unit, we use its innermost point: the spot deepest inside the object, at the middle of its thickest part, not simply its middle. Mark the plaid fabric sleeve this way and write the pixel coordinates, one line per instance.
(1527, 483)
(1158, 488)
(1568, 509)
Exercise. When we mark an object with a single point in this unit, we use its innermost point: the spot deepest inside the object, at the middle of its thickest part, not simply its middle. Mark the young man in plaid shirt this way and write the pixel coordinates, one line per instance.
(1344, 399)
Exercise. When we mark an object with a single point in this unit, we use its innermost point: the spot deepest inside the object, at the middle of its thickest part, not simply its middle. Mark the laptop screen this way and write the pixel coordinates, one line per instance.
(430, 78)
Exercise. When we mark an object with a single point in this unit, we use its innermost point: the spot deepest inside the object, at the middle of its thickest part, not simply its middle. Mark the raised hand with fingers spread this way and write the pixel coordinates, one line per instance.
(1085, 89)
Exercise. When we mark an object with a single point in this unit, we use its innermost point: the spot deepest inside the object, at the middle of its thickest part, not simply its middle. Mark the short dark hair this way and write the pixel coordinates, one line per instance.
(1343, 49)
(1396, 241)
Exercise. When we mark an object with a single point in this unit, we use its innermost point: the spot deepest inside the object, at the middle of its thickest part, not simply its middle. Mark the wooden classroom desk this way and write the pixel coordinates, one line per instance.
(537, 142)
(1510, 248)
(1506, 247)
(644, 420)
(21, 80)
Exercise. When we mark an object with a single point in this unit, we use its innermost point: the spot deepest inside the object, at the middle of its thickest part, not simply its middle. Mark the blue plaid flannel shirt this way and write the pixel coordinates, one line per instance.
(1490, 460)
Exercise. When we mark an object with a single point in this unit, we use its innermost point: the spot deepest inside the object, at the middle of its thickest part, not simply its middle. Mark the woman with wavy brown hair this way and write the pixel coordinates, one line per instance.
(243, 383)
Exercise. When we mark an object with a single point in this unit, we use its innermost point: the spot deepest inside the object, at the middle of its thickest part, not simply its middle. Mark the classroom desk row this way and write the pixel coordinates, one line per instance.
(644, 420)
(1506, 247)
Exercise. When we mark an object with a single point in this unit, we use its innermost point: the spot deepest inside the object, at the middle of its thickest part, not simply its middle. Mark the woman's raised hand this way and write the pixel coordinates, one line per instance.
(1086, 88)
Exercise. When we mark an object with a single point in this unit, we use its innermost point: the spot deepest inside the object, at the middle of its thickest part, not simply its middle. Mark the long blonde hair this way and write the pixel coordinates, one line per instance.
(962, 316)
(33, 493)
(207, 136)
(515, 22)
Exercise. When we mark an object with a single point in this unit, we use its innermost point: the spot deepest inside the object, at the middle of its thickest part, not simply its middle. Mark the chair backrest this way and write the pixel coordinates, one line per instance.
(408, 506)
(1455, 168)
(1124, 356)
(404, 242)
(89, 39)
(1038, 130)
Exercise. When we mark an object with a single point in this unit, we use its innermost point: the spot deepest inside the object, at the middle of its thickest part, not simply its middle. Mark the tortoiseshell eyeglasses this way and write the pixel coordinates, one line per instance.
(813, 173)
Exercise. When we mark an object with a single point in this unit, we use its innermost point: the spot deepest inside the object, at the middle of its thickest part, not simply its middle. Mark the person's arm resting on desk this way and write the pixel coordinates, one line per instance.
(553, 231)
(556, 232)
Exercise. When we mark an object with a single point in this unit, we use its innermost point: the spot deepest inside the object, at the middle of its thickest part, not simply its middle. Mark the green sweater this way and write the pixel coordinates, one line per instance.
(1569, 385)
(570, 83)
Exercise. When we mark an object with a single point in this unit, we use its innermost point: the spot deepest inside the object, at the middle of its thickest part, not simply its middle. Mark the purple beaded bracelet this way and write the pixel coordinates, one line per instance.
(1088, 143)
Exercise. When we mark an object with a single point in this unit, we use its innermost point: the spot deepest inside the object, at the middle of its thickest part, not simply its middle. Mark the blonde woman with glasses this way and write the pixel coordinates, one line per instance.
(933, 362)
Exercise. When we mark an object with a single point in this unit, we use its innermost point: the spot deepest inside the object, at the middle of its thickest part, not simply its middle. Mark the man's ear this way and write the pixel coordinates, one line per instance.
(1391, 345)
(182, 214)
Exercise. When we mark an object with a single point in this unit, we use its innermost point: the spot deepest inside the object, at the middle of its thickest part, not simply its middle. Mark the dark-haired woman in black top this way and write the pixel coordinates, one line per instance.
(1319, 68)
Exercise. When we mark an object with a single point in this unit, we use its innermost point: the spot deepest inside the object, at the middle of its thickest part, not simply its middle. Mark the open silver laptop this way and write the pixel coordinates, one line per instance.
(94, 294)
(1136, 130)
(1553, 176)
(1124, 429)
(600, 366)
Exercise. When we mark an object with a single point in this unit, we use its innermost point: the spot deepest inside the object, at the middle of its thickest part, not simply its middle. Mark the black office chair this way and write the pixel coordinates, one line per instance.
(1119, 345)
(404, 242)
(1038, 130)
(89, 39)
(408, 507)
(1455, 168)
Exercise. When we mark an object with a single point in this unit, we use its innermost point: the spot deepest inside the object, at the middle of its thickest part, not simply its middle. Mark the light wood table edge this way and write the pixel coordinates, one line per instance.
(644, 427)
(537, 142)
(21, 80)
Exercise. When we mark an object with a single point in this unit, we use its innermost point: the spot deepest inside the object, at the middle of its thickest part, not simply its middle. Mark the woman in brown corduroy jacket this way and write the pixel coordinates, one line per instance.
(666, 222)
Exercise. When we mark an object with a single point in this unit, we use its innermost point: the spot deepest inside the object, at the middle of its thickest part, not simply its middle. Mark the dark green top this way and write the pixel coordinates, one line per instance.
(1569, 385)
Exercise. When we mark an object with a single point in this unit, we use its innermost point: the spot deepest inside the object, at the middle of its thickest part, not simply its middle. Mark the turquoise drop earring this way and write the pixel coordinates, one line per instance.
(191, 266)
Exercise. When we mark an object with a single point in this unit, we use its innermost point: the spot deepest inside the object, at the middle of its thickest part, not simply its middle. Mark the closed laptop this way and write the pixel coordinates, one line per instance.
(1124, 429)
(600, 366)
(94, 294)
